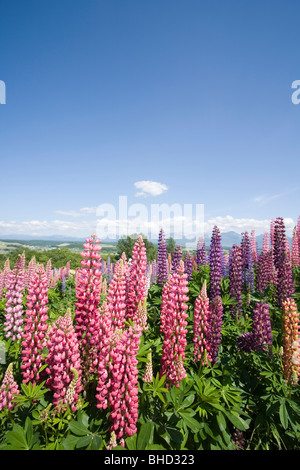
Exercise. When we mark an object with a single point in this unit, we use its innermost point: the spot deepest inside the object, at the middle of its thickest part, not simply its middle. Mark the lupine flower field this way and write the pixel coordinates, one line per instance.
(187, 352)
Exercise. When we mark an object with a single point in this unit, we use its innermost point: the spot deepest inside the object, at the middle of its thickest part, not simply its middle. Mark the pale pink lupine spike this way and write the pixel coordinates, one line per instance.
(8, 389)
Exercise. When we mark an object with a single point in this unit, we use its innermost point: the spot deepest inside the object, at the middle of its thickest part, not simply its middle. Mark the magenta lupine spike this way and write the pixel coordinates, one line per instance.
(253, 247)
(236, 280)
(35, 327)
(88, 292)
(1, 284)
(266, 245)
(30, 270)
(116, 296)
(201, 327)
(107, 339)
(141, 316)
(136, 280)
(63, 357)
(215, 327)
(174, 329)
(8, 389)
(123, 397)
(14, 309)
(295, 250)
(215, 261)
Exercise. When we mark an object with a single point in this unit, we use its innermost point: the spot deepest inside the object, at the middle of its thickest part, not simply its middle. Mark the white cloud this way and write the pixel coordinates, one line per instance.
(78, 213)
(152, 188)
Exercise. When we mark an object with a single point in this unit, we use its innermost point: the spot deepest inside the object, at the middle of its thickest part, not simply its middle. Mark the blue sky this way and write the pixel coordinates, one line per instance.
(191, 96)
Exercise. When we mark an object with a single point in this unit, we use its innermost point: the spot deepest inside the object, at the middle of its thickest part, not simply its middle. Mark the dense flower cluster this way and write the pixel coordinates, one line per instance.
(136, 280)
(35, 326)
(282, 263)
(236, 279)
(123, 396)
(177, 257)
(291, 348)
(88, 290)
(9, 388)
(201, 257)
(14, 310)
(260, 338)
(173, 326)
(201, 327)
(215, 261)
(63, 357)
(215, 327)
(162, 261)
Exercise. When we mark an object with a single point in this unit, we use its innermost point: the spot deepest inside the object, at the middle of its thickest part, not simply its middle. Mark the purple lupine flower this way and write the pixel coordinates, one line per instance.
(261, 335)
(262, 330)
(162, 259)
(188, 266)
(236, 279)
(63, 284)
(282, 263)
(215, 327)
(215, 261)
(248, 271)
(201, 258)
(264, 274)
(177, 257)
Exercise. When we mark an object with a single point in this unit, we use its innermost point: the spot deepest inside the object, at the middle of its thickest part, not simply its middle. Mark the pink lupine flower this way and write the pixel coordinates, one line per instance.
(201, 327)
(295, 250)
(88, 292)
(108, 336)
(49, 272)
(123, 397)
(62, 358)
(148, 375)
(215, 327)
(141, 316)
(30, 270)
(266, 246)
(136, 280)
(14, 309)
(253, 246)
(35, 326)
(8, 389)
(173, 327)
(116, 295)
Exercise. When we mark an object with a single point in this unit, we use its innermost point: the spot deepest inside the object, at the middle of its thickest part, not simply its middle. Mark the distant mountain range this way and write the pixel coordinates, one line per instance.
(228, 239)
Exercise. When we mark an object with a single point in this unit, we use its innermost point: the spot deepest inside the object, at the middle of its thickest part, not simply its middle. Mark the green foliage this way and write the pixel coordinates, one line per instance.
(242, 391)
